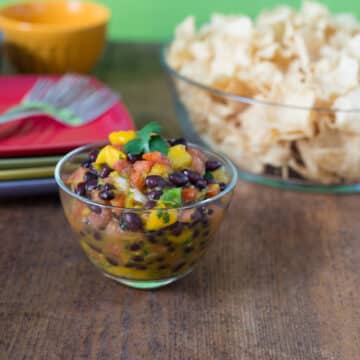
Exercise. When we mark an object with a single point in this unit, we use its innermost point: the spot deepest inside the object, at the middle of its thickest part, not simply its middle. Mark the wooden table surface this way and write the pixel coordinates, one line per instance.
(280, 282)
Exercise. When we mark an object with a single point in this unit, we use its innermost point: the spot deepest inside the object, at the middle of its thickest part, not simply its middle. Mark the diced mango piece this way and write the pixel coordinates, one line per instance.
(220, 175)
(185, 235)
(160, 170)
(161, 218)
(121, 137)
(109, 155)
(179, 157)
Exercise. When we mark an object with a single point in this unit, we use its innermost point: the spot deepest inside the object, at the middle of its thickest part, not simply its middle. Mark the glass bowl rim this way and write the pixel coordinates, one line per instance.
(239, 98)
(225, 160)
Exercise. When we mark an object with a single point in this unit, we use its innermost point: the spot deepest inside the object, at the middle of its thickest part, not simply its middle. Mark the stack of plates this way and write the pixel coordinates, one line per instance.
(30, 149)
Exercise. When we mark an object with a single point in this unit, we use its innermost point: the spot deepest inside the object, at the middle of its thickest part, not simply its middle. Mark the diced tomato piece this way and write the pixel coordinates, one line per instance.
(119, 201)
(143, 166)
(137, 180)
(189, 194)
(198, 160)
(212, 190)
(123, 167)
(156, 157)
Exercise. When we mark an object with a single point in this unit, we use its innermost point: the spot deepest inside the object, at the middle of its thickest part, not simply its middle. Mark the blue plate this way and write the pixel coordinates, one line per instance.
(11, 189)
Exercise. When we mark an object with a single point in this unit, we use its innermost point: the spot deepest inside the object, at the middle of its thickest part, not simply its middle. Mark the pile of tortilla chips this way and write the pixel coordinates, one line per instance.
(307, 60)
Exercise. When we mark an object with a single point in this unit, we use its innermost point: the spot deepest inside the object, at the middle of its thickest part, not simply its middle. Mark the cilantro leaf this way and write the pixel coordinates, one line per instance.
(208, 175)
(141, 143)
(172, 197)
(157, 143)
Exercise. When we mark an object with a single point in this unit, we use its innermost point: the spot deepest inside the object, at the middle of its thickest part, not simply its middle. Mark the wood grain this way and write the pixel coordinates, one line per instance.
(280, 282)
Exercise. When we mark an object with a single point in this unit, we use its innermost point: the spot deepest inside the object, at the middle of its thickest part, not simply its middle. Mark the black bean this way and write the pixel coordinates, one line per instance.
(111, 261)
(194, 177)
(210, 181)
(105, 171)
(178, 267)
(210, 211)
(106, 194)
(136, 246)
(160, 259)
(94, 247)
(163, 267)
(97, 236)
(205, 222)
(222, 186)
(80, 189)
(149, 204)
(91, 184)
(212, 165)
(154, 181)
(196, 233)
(154, 195)
(138, 258)
(179, 141)
(89, 176)
(129, 265)
(140, 267)
(108, 186)
(196, 216)
(93, 155)
(152, 239)
(176, 229)
(206, 233)
(188, 249)
(86, 164)
(131, 222)
(178, 178)
(171, 248)
(134, 157)
(201, 184)
(95, 209)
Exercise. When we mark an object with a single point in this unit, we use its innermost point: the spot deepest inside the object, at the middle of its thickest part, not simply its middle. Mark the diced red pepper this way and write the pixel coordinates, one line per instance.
(189, 194)
(156, 157)
(212, 190)
(123, 167)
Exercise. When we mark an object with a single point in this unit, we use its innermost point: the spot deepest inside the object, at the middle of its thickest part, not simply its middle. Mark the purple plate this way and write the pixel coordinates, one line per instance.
(11, 189)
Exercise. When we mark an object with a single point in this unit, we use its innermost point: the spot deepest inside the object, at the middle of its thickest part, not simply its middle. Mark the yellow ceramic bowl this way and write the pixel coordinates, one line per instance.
(54, 36)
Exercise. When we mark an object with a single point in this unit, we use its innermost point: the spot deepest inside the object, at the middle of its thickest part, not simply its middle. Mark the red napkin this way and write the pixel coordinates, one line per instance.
(42, 135)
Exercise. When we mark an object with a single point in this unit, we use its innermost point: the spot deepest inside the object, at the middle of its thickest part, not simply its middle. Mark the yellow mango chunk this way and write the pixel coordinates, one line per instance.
(160, 170)
(179, 157)
(220, 175)
(121, 137)
(109, 155)
(161, 218)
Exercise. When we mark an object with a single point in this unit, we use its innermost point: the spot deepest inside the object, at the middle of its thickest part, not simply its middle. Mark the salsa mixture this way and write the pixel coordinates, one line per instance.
(148, 230)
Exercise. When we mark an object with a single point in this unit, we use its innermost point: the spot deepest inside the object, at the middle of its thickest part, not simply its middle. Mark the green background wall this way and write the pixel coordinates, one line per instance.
(154, 20)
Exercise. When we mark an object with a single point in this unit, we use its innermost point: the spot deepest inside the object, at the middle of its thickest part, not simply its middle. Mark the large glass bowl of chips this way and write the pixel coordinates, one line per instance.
(287, 111)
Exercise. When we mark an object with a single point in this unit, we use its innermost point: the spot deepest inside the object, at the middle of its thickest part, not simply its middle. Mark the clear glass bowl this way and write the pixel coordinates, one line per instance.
(185, 91)
(142, 259)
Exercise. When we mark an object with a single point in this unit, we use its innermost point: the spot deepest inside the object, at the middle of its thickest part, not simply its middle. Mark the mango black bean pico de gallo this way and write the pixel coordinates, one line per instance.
(144, 226)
